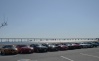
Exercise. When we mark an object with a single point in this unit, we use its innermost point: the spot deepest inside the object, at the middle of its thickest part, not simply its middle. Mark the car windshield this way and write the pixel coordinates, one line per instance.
(8, 46)
(22, 46)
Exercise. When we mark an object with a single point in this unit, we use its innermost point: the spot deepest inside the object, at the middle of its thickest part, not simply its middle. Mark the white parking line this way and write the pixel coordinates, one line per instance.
(89, 55)
(67, 58)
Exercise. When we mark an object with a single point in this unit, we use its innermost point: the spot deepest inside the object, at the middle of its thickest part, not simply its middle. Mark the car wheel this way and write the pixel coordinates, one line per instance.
(46, 50)
(38, 51)
(15, 53)
(30, 51)
(21, 52)
(2, 53)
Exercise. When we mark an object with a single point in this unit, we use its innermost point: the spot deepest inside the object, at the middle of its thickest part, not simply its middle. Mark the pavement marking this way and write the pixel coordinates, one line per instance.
(89, 55)
(66, 58)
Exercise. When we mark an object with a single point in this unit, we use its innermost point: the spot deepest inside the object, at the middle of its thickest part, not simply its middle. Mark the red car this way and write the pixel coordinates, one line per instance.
(62, 47)
(76, 45)
(24, 49)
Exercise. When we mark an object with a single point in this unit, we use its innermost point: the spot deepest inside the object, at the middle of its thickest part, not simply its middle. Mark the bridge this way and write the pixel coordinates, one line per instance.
(47, 40)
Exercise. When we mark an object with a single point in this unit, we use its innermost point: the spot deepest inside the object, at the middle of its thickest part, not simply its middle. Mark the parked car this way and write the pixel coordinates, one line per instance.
(76, 45)
(24, 49)
(73, 45)
(69, 45)
(9, 49)
(84, 45)
(89, 45)
(39, 48)
(96, 43)
(62, 47)
(93, 44)
(51, 47)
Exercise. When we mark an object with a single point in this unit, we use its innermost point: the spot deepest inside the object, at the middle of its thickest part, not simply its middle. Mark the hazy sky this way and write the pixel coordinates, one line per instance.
(50, 18)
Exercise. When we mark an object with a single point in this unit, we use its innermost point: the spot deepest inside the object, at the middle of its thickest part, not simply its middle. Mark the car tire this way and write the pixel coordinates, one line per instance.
(2, 53)
(38, 51)
(21, 52)
(30, 51)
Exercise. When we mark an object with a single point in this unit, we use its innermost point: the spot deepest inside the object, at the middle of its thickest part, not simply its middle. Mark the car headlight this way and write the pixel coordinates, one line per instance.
(31, 48)
(53, 46)
(15, 49)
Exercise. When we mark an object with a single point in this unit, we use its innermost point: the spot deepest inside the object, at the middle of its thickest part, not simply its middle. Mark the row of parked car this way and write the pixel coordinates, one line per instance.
(44, 47)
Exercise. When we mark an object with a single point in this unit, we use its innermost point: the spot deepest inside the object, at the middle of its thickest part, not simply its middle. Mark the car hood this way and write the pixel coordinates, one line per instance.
(41, 47)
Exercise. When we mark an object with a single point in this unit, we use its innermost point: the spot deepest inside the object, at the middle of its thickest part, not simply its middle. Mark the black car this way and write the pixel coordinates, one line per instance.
(93, 44)
(97, 43)
(51, 47)
(69, 45)
(39, 48)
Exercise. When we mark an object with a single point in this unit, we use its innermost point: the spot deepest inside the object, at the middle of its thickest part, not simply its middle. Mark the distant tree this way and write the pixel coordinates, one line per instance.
(3, 24)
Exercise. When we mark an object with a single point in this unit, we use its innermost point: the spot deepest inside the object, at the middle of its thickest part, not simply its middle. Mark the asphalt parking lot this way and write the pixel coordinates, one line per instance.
(90, 54)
